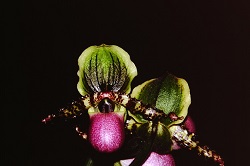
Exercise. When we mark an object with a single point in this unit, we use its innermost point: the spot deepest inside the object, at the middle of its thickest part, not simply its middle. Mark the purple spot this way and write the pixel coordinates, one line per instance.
(189, 124)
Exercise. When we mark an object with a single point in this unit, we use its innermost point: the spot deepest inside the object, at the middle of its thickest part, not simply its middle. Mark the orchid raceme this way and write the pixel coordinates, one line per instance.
(135, 128)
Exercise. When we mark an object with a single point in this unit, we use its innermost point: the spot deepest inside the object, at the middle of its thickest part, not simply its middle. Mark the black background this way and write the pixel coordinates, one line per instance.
(205, 42)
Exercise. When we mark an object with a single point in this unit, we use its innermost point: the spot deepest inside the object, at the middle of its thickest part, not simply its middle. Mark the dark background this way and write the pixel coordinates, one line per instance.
(205, 42)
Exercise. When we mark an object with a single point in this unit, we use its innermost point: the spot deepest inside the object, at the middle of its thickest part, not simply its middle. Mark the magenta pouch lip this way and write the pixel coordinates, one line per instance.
(106, 131)
(154, 159)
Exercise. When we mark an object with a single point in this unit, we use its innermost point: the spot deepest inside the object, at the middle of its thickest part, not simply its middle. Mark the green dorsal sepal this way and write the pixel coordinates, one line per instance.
(105, 68)
(167, 93)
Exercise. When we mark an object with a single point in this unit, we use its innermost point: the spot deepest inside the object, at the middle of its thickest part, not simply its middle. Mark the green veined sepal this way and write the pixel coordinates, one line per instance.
(167, 93)
(105, 68)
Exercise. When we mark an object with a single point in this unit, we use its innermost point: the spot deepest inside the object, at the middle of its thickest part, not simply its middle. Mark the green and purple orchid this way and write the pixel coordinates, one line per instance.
(141, 127)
